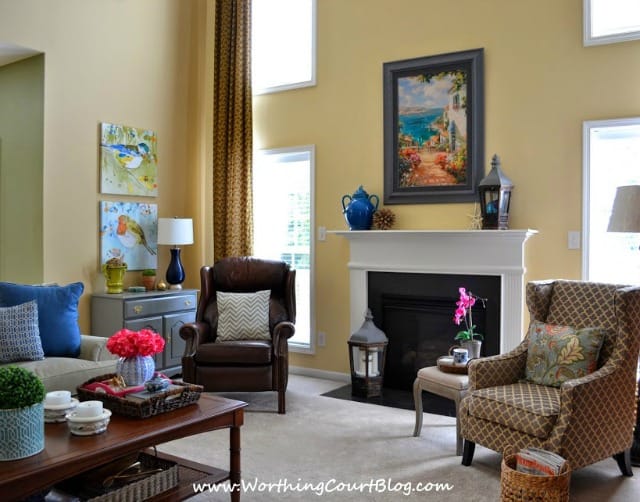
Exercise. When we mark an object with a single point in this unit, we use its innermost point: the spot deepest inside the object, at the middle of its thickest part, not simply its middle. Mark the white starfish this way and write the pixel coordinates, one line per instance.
(476, 218)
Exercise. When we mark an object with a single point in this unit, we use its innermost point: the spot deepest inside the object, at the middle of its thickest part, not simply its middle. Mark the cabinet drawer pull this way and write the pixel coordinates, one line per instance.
(137, 309)
(187, 303)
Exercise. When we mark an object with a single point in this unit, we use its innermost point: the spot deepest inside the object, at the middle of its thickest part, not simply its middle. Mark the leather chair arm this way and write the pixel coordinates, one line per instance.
(194, 333)
(502, 369)
(281, 334)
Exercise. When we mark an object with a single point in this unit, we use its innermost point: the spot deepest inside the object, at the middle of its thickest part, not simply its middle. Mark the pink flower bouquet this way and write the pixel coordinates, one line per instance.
(128, 343)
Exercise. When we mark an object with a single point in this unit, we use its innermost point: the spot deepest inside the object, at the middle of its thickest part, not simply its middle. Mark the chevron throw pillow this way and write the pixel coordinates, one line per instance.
(243, 316)
(19, 333)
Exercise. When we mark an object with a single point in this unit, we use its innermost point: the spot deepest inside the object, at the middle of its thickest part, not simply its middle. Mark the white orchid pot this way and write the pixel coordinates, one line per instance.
(474, 347)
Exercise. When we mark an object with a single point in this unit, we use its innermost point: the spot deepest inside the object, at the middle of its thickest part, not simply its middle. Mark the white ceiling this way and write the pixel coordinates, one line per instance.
(10, 53)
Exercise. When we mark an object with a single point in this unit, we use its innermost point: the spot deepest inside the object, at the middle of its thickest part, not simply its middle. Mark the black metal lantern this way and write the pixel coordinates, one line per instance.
(495, 197)
(367, 354)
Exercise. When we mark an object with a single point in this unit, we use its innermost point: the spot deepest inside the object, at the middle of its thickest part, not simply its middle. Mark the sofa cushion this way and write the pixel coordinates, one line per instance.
(19, 333)
(57, 314)
(243, 316)
(67, 373)
(560, 353)
(525, 407)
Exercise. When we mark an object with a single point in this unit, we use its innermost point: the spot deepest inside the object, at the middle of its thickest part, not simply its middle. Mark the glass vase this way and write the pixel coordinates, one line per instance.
(136, 370)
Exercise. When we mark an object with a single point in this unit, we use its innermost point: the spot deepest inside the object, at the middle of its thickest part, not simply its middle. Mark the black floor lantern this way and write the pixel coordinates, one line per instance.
(495, 198)
(367, 354)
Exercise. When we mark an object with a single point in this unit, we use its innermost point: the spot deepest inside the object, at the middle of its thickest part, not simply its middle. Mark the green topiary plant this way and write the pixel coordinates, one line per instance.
(149, 272)
(19, 388)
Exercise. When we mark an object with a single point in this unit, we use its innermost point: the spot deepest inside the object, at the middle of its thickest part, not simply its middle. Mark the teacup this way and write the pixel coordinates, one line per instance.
(460, 355)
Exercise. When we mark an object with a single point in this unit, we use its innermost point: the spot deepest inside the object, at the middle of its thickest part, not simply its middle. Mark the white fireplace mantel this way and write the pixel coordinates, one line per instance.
(470, 252)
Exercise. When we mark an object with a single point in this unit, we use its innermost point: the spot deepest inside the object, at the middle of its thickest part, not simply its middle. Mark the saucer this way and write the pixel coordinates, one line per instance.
(56, 413)
(88, 426)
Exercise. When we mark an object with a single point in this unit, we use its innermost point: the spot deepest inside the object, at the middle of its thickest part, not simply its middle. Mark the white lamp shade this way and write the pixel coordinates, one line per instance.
(625, 214)
(175, 231)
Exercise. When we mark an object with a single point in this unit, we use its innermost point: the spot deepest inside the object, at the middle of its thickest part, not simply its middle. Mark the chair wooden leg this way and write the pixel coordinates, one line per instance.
(624, 462)
(458, 436)
(281, 401)
(417, 401)
(467, 452)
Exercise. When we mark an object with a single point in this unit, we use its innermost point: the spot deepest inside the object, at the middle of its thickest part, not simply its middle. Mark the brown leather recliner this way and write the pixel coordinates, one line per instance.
(241, 365)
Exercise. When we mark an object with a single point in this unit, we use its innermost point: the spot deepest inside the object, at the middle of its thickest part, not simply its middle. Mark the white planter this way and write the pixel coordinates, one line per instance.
(21, 432)
(473, 346)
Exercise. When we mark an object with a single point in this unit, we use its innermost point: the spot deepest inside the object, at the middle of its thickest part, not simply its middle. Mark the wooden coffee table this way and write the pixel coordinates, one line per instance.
(65, 455)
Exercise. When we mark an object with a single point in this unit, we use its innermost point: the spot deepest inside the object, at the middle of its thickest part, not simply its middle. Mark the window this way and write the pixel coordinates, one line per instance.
(611, 153)
(609, 21)
(283, 224)
(283, 44)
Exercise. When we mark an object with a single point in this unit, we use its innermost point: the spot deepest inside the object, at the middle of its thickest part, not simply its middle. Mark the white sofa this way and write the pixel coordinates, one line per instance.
(67, 373)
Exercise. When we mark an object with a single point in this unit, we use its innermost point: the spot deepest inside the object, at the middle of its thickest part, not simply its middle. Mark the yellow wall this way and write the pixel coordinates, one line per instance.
(21, 149)
(137, 63)
(148, 63)
(540, 85)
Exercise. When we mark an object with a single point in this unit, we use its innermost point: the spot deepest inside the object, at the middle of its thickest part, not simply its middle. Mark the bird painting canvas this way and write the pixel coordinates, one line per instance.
(129, 230)
(128, 160)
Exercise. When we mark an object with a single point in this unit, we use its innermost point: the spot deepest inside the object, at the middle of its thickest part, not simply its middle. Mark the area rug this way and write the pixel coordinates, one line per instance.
(341, 450)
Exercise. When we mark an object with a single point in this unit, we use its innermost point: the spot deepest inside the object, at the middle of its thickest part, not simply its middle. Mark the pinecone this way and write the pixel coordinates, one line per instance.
(383, 219)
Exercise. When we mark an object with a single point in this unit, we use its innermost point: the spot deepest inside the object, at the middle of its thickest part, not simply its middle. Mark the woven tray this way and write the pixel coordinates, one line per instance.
(446, 364)
(520, 487)
(160, 402)
(90, 486)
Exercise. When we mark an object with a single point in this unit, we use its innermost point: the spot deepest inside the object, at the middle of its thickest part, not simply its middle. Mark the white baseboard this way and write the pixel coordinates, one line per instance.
(327, 375)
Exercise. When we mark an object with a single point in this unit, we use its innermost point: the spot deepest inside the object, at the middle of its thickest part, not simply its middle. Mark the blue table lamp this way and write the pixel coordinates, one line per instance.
(175, 232)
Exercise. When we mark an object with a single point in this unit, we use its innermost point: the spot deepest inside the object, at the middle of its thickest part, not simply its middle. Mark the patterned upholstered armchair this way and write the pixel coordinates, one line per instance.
(225, 351)
(585, 419)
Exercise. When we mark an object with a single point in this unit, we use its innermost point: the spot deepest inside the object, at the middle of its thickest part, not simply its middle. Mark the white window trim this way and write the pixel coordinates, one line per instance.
(311, 149)
(589, 39)
(587, 126)
(304, 83)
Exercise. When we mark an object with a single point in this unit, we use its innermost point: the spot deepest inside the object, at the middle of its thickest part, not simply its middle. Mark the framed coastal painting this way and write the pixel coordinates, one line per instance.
(434, 128)
(128, 160)
(129, 230)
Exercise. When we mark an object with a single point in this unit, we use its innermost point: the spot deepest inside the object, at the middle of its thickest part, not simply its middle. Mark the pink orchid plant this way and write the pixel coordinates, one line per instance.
(128, 343)
(464, 313)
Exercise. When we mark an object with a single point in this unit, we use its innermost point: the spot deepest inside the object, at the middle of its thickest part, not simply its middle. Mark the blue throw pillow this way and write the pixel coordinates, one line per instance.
(57, 314)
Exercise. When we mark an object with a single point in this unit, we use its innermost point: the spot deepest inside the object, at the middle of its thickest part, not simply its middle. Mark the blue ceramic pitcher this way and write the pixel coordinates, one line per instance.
(359, 210)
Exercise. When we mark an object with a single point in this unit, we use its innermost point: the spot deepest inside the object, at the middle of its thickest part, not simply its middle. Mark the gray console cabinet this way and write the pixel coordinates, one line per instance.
(162, 311)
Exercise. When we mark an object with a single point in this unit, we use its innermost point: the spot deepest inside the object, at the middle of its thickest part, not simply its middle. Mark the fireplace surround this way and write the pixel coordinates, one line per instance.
(498, 253)
(416, 313)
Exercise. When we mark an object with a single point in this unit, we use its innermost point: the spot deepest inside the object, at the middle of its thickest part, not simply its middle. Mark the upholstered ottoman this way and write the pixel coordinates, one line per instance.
(450, 385)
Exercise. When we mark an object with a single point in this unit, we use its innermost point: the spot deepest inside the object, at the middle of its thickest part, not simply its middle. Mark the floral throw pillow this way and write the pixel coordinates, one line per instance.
(560, 353)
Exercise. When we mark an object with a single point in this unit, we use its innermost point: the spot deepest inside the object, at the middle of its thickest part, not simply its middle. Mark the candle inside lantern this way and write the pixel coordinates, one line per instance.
(368, 361)
(89, 409)
(57, 397)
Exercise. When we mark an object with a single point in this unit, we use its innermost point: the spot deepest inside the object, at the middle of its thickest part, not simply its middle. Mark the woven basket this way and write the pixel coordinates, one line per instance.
(519, 487)
(89, 486)
(182, 395)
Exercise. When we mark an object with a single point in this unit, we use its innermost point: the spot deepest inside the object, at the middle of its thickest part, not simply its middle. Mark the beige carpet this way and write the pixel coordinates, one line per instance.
(324, 442)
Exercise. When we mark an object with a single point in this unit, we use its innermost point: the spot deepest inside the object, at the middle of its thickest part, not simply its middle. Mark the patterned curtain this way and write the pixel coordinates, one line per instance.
(232, 130)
